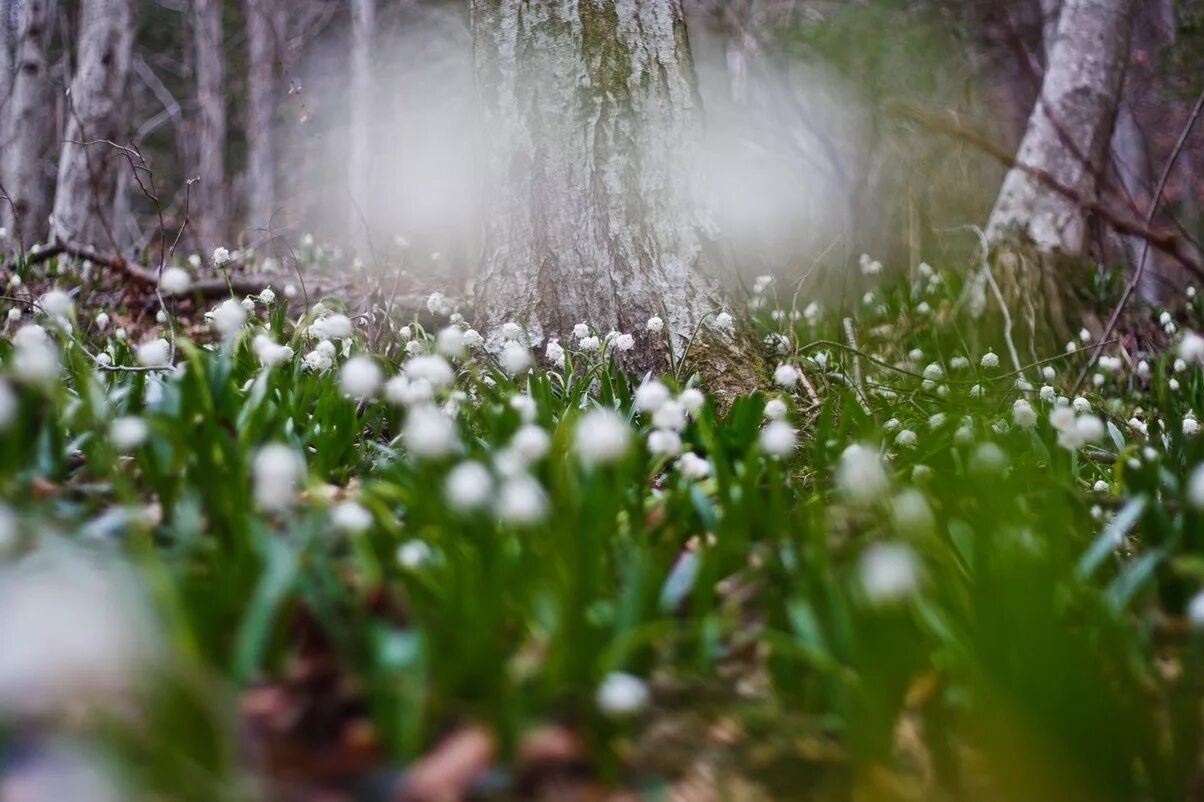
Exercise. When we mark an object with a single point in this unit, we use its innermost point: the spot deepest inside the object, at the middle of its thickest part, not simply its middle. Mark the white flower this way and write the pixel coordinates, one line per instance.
(221, 256)
(761, 283)
(621, 695)
(438, 304)
(869, 267)
(936, 421)
(515, 359)
(590, 344)
(413, 554)
(670, 415)
(525, 406)
(1173, 384)
(581, 331)
(1143, 368)
(402, 391)
(624, 342)
(469, 486)
(414, 347)
(693, 466)
(1191, 348)
(472, 339)
(1048, 373)
(989, 360)
(778, 439)
(964, 435)
(775, 409)
(267, 296)
(923, 308)
(512, 331)
(976, 391)
(521, 501)
(351, 518)
(1138, 426)
(56, 304)
(360, 377)
(601, 436)
(14, 314)
(889, 573)
(911, 514)
(269, 352)
(906, 439)
(175, 281)
(891, 425)
(1071, 346)
(1195, 607)
(1081, 404)
(655, 324)
(331, 327)
(449, 342)
(555, 354)
(429, 433)
(861, 475)
(154, 353)
(692, 399)
(1047, 393)
(933, 371)
(651, 395)
(664, 443)
(35, 359)
(724, 321)
(276, 470)
(786, 375)
(128, 432)
(531, 443)
(317, 360)
(1191, 426)
(1195, 488)
(431, 368)
(1062, 419)
(1085, 335)
(1023, 414)
(228, 317)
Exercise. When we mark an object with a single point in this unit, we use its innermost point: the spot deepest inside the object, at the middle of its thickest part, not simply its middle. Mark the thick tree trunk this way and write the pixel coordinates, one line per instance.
(1034, 227)
(8, 35)
(209, 209)
(592, 123)
(363, 22)
(87, 179)
(26, 127)
(264, 41)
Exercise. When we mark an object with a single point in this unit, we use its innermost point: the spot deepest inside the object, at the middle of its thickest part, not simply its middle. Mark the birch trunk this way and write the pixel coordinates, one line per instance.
(87, 178)
(363, 21)
(592, 123)
(1034, 226)
(8, 34)
(26, 127)
(264, 41)
(209, 209)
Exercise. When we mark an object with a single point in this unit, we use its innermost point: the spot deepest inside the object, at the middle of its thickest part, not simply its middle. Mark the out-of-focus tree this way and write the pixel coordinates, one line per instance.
(27, 124)
(363, 23)
(210, 209)
(265, 42)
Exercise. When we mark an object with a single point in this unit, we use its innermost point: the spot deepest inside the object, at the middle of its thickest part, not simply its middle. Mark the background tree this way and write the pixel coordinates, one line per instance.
(1067, 139)
(88, 168)
(27, 125)
(265, 39)
(363, 22)
(593, 121)
(210, 209)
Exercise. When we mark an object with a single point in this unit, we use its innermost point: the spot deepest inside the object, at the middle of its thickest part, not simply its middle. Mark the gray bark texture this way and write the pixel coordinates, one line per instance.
(591, 123)
(363, 23)
(8, 33)
(264, 41)
(26, 127)
(88, 173)
(209, 207)
(1070, 128)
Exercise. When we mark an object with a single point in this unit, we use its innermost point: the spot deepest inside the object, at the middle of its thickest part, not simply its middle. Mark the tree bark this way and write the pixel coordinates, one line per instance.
(363, 21)
(210, 193)
(264, 41)
(88, 173)
(1033, 227)
(8, 34)
(26, 127)
(592, 123)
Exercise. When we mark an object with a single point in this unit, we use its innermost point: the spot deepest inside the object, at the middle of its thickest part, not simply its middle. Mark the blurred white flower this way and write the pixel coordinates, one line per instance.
(775, 409)
(473, 339)
(331, 327)
(724, 321)
(581, 331)
(989, 360)
(351, 517)
(360, 377)
(1191, 426)
(650, 395)
(590, 343)
(692, 399)
(531, 443)
(555, 354)
(433, 369)
(601, 437)
(56, 304)
(175, 281)
(221, 256)
(664, 443)
(268, 352)
(317, 360)
(276, 472)
(128, 432)
(413, 554)
(515, 359)
(778, 439)
(889, 573)
(786, 375)
(1195, 488)
(35, 358)
(670, 415)
(228, 317)
(1023, 414)
(623, 342)
(911, 514)
(861, 476)
(429, 433)
(1191, 348)
(906, 439)
(693, 466)
(521, 501)
(655, 324)
(621, 695)
(469, 486)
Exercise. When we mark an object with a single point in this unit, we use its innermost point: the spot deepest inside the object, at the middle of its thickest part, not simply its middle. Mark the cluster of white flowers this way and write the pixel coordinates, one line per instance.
(269, 352)
(1074, 430)
(335, 326)
(869, 267)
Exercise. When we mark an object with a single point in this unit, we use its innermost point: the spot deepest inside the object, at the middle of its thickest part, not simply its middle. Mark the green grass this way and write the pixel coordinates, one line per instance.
(984, 624)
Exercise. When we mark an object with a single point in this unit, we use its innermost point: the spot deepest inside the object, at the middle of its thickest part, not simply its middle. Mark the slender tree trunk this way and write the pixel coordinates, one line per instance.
(263, 43)
(1034, 227)
(26, 127)
(87, 179)
(363, 21)
(592, 123)
(8, 45)
(210, 196)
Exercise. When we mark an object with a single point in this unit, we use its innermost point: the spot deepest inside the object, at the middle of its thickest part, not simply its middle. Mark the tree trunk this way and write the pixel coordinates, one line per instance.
(27, 125)
(363, 21)
(87, 179)
(264, 41)
(592, 123)
(8, 35)
(209, 209)
(1033, 226)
